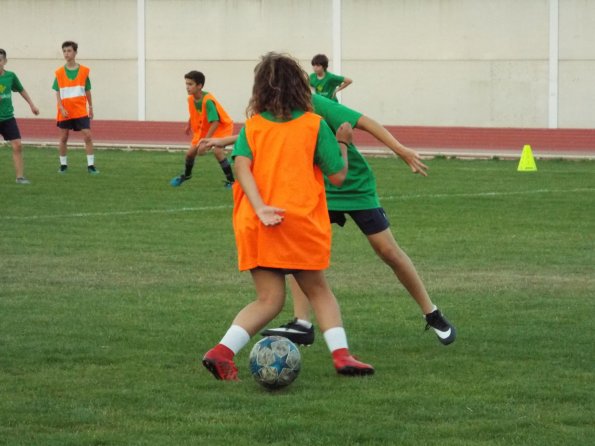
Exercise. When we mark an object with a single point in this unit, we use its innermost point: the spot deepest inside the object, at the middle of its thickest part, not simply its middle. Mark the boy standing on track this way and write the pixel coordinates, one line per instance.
(9, 129)
(324, 82)
(75, 105)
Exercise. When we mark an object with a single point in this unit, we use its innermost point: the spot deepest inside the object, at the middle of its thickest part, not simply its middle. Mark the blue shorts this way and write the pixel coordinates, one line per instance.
(369, 221)
(9, 129)
(76, 124)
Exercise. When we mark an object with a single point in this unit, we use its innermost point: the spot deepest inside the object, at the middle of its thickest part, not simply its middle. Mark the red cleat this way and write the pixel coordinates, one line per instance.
(346, 364)
(219, 362)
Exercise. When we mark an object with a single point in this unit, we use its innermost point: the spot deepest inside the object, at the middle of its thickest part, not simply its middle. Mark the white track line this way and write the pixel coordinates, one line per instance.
(217, 208)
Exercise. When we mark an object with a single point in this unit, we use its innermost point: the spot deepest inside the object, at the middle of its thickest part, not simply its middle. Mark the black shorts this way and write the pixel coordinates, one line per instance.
(9, 129)
(369, 221)
(76, 124)
(283, 271)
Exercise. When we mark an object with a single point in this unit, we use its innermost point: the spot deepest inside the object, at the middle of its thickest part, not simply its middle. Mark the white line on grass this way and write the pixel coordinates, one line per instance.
(216, 208)
(486, 194)
(116, 213)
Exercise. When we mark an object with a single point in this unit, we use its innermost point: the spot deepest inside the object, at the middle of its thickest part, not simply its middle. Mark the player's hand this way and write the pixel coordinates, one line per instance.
(413, 160)
(345, 133)
(271, 216)
(63, 112)
(212, 142)
(34, 110)
(187, 130)
(90, 112)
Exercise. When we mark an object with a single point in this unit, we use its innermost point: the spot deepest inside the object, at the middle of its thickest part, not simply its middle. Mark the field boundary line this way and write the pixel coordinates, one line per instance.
(230, 206)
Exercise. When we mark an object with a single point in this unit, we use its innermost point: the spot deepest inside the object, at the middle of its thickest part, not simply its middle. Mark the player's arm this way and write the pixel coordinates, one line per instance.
(212, 129)
(213, 118)
(219, 142)
(60, 105)
(29, 101)
(346, 83)
(344, 138)
(268, 215)
(378, 131)
(90, 103)
(334, 165)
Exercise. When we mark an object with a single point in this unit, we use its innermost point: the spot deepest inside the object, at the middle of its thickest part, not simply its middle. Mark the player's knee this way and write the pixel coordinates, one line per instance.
(274, 301)
(17, 147)
(391, 255)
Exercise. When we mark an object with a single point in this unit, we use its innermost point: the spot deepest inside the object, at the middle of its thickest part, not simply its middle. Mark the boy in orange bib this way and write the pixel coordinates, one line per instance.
(207, 119)
(75, 105)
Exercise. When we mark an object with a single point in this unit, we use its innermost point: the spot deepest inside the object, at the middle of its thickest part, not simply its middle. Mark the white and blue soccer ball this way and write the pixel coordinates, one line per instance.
(275, 362)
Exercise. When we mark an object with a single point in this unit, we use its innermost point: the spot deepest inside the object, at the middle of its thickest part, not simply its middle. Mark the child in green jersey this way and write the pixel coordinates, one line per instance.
(358, 198)
(324, 82)
(9, 129)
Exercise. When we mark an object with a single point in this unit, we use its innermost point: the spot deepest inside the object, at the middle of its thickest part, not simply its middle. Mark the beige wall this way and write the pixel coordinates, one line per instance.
(423, 62)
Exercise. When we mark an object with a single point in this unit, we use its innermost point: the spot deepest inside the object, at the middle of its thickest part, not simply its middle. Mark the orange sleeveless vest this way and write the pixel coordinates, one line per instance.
(199, 123)
(72, 93)
(286, 176)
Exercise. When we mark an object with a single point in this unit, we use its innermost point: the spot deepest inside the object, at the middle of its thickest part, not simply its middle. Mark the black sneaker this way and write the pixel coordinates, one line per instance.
(63, 168)
(444, 330)
(177, 181)
(296, 333)
(92, 170)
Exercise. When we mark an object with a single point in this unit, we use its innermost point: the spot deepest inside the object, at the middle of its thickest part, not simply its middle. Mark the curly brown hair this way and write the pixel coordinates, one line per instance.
(280, 86)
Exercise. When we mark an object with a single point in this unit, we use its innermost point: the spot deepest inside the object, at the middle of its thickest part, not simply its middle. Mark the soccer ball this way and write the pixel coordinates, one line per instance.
(275, 362)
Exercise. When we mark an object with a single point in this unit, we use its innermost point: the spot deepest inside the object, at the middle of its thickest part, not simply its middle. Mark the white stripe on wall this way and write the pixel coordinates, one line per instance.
(553, 66)
(336, 39)
(141, 59)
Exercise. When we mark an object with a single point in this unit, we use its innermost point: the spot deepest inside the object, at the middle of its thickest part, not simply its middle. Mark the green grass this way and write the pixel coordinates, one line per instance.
(112, 287)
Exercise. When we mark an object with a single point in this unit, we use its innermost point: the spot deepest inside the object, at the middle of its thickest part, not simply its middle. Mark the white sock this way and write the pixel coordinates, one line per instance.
(90, 160)
(335, 338)
(63, 161)
(304, 323)
(434, 308)
(235, 338)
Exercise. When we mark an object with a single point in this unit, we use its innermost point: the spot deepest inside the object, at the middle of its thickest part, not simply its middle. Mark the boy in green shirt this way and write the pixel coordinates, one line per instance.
(9, 129)
(324, 82)
(358, 198)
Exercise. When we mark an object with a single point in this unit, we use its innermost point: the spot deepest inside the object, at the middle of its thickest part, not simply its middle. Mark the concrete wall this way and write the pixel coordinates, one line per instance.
(414, 62)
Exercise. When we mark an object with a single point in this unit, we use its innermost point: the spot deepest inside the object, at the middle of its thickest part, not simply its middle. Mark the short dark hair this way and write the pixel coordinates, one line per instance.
(196, 76)
(2, 53)
(70, 43)
(320, 59)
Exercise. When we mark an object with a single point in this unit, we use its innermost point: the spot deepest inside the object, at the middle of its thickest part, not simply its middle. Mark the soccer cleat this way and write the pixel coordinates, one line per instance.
(63, 168)
(227, 184)
(22, 180)
(347, 365)
(221, 367)
(296, 333)
(177, 181)
(444, 330)
(92, 170)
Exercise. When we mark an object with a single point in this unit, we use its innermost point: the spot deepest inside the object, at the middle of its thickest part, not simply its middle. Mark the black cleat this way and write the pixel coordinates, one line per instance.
(296, 333)
(444, 330)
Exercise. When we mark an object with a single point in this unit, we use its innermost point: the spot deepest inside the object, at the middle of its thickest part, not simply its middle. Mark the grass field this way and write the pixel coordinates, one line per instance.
(112, 287)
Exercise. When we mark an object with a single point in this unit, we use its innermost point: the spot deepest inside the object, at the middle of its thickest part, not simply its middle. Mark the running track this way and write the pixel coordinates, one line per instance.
(429, 141)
